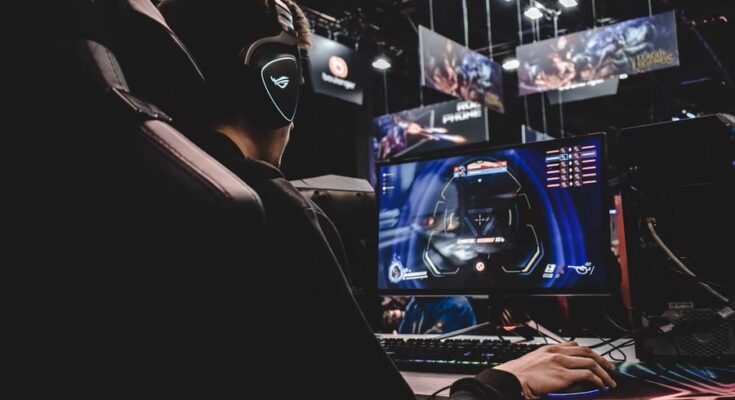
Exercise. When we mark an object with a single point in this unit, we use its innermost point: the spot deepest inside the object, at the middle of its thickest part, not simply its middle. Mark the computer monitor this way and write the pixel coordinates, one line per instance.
(528, 219)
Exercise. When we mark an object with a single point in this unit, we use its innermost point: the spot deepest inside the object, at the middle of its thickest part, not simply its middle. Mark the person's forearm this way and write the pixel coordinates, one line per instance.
(490, 384)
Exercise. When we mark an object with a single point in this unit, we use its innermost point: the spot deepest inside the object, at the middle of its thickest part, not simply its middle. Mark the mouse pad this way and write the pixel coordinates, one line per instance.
(672, 382)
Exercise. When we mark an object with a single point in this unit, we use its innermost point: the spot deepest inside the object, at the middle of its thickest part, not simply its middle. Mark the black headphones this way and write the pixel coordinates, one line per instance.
(273, 72)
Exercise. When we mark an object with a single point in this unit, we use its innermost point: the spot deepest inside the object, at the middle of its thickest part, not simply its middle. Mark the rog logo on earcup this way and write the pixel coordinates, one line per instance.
(281, 81)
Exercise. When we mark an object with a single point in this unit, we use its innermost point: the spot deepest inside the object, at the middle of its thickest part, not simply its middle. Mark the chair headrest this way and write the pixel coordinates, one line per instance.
(155, 63)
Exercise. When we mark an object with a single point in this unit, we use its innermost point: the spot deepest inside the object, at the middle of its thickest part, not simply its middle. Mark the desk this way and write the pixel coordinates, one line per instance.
(682, 381)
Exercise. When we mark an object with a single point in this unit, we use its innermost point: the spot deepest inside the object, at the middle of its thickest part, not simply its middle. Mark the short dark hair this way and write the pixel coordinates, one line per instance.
(215, 31)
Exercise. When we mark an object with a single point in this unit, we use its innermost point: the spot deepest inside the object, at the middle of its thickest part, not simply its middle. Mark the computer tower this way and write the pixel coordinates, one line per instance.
(681, 173)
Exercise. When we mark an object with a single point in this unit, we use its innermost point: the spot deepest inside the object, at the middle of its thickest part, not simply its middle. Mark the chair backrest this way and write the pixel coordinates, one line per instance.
(162, 241)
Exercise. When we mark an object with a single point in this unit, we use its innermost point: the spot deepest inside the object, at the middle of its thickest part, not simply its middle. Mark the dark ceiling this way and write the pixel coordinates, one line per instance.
(702, 84)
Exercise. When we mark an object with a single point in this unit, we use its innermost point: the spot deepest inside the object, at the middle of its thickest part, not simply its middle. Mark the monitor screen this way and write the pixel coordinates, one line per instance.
(528, 219)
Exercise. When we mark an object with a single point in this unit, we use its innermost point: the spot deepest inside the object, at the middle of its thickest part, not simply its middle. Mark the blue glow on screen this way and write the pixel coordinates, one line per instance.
(531, 217)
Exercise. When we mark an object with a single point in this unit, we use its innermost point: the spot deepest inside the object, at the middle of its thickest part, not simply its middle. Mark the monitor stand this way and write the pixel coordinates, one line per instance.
(507, 315)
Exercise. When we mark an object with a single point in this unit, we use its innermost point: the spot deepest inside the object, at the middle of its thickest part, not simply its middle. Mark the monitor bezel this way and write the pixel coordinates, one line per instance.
(608, 290)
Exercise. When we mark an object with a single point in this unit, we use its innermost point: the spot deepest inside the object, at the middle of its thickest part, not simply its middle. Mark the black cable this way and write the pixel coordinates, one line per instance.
(615, 324)
(606, 342)
(545, 336)
(681, 268)
(619, 349)
(433, 395)
(651, 223)
(624, 359)
(613, 347)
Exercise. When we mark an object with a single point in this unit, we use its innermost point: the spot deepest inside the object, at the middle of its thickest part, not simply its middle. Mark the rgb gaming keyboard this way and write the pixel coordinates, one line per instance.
(468, 356)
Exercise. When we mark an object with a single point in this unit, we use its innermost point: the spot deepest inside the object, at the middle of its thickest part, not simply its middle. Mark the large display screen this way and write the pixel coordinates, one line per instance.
(629, 47)
(429, 128)
(449, 67)
(529, 219)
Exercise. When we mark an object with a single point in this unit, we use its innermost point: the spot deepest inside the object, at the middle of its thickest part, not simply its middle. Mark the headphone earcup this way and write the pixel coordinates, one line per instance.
(271, 88)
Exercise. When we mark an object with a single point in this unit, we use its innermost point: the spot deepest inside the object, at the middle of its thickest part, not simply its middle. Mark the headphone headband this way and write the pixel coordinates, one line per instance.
(283, 16)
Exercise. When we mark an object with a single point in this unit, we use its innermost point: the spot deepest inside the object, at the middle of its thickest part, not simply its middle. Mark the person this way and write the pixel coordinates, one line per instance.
(304, 275)
(427, 315)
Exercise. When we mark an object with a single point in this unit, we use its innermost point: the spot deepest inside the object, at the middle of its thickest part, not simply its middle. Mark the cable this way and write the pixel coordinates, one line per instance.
(619, 349)
(643, 197)
(466, 24)
(546, 341)
(433, 395)
(615, 324)
(489, 30)
(431, 14)
(650, 222)
(462, 331)
(683, 270)
(606, 342)
(542, 331)
(613, 347)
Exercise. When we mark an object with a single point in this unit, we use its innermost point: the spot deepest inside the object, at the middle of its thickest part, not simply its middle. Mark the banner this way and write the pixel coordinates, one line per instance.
(335, 70)
(592, 89)
(629, 47)
(427, 128)
(451, 68)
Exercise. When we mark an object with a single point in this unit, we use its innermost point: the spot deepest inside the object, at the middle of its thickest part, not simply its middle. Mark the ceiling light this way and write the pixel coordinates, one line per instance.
(533, 13)
(511, 64)
(568, 3)
(381, 63)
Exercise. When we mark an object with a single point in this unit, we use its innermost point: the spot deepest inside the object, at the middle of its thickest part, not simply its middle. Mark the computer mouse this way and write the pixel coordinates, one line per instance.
(577, 390)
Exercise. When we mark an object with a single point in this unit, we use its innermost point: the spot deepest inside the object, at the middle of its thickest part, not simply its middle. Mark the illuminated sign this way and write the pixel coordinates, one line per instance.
(336, 70)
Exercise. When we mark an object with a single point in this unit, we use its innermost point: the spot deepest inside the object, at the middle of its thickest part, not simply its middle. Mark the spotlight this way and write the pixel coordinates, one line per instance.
(511, 64)
(381, 63)
(533, 13)
(568, 3)
(623, 76)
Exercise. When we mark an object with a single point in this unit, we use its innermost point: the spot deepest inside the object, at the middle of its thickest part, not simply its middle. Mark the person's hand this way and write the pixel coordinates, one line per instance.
(557, 366)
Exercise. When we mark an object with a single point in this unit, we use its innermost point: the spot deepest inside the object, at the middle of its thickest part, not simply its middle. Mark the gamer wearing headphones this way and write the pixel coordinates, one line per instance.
(250, 53)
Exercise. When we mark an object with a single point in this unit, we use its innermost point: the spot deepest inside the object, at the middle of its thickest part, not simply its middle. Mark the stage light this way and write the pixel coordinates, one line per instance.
(623, 76)
(533, 13)
(381, 63)
(568, 3)
(511, 64)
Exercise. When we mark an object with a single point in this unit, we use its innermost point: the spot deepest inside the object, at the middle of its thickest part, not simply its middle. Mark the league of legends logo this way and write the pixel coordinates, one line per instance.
(649, 60)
